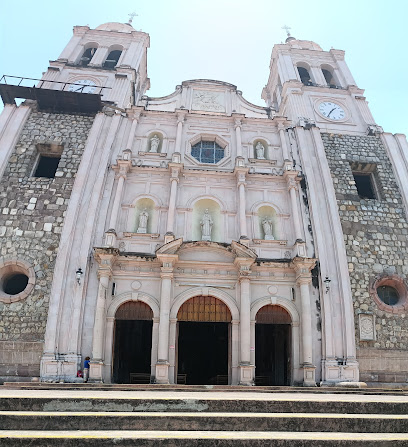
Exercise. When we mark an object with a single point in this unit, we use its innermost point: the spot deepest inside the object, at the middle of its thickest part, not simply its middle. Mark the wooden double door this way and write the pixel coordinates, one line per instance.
(203, 348)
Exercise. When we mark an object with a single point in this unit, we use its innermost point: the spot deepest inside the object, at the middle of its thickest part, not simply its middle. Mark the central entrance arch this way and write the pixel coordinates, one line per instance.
(132, 343)
(203, 350)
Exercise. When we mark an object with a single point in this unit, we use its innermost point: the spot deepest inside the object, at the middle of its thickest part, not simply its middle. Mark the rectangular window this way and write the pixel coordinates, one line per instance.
(364, 185)
(365, 180)
(47, 166)
(49, 156)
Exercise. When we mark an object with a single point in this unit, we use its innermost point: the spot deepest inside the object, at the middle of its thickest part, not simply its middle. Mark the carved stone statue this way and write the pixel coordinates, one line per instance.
(260, 151)
(154, 143)
(206, 224)
(143, 218)
(268, 228)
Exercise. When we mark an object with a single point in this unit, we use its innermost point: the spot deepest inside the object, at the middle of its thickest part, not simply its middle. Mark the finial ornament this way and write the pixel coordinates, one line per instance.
(131, 15)
(287, 28)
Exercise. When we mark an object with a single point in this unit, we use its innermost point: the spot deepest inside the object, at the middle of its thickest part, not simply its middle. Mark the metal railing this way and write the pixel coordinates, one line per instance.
(40, 83)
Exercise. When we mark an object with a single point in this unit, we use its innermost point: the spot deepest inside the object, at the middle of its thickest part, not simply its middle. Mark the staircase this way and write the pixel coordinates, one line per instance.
(137, 415)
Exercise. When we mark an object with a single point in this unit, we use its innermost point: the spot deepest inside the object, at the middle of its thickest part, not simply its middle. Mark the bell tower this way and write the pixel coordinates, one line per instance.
(110, 60)
(315, 87)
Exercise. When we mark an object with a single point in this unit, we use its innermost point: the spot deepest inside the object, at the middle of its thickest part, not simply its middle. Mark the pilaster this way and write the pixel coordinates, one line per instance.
(292, 179)
(240, 172)
(162, 366)
(246, 368)
(122, 167)
(105, 258)
(181, 117)
(175, 168)
(237, 126)
(303, 267)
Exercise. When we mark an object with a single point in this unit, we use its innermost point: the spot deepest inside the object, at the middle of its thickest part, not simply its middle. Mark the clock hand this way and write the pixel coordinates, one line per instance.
(331, 111)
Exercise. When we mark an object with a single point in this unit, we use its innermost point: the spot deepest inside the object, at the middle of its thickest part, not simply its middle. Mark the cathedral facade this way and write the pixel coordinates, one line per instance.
(197, 238)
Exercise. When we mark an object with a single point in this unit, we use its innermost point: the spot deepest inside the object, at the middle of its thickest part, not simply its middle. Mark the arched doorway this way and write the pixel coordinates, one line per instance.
(272, 342)
(132, 343)
(203, 350)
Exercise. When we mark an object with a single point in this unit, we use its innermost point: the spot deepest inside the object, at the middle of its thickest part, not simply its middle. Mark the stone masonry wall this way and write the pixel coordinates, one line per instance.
(32, 214)
(375, 235)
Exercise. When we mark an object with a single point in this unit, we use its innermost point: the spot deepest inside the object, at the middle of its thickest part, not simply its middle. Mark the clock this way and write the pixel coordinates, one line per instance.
(82, 86)
(331, 110)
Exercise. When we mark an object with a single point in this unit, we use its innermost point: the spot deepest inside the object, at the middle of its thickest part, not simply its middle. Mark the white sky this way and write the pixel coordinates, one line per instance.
(226, 40)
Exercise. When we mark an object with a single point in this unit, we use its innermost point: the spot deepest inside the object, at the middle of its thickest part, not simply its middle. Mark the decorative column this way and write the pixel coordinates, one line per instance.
(135, 120)
(237, 127)
(108, 357)
(285, 150)
(73, 45)
(303, 269)
(244, 270)
(155, 341)
(292, 180)
(105, 258)
(240, 172)
(172, 350)
(162, 365)
(180, 120)
(123, 166)
(235, 372)
(252, 347)
(175, 168)
(99, 57)
(317, 75)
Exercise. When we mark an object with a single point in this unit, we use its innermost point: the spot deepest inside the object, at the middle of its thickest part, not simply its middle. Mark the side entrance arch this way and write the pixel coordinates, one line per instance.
(132, 343)
(204, 348)
(273, 346)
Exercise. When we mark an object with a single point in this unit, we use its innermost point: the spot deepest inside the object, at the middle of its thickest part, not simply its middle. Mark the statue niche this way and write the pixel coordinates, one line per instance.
(206, 225)
(154, 144)
(260, 151)
(143, 219)
(267, 226)
(268, 223)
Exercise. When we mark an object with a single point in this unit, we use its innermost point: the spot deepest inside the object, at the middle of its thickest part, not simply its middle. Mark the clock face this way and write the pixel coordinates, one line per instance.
(82, 86)
(332, 111)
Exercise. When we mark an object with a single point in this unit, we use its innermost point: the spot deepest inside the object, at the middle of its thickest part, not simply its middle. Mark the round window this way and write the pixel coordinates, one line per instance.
(14, 284)
(388, 295)
(17, 279)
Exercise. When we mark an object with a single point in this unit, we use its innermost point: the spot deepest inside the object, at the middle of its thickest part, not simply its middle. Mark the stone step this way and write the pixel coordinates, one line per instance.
(178, 421)
(202, 388)
(198, 439)
(240, 404)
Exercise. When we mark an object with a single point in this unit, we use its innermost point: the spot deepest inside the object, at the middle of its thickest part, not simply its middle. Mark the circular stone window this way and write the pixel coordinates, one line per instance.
(390, 293)
(17, 280)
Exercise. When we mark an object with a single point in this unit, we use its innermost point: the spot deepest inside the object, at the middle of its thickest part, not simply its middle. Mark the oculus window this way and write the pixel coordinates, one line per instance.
(388, 295)
(207, 152)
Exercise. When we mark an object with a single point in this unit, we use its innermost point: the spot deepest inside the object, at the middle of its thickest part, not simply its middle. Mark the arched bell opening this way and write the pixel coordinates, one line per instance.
(273, 346)
(132, 343)
(204, 342)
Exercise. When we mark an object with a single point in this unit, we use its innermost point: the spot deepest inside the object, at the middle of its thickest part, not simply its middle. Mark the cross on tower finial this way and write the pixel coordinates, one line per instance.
(287, 28)
(131, 15)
